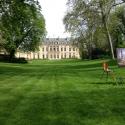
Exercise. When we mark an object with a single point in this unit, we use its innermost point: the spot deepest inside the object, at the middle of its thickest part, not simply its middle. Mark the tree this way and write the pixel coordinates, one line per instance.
(21, 25)
(104, 7)
(80, 20)
(117, 26)
(94, 10)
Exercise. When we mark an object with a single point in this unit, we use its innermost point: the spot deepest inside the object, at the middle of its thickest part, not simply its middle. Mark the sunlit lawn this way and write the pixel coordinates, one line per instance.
(69, 92)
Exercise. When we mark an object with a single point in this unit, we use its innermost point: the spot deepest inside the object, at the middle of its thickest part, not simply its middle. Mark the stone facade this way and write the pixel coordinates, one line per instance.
(53, 48)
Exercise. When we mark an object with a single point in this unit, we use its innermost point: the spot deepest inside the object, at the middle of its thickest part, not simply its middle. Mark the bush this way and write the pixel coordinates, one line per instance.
(6, 58)
(99, 53)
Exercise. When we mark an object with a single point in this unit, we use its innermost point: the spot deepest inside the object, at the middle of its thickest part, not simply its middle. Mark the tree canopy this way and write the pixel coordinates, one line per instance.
(86, 17)
(22, 25)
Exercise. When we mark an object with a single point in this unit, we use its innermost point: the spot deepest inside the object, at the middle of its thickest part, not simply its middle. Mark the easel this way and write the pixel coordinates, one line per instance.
(107, 71)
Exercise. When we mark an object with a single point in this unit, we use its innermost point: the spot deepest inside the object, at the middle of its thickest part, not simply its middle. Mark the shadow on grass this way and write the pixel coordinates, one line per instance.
(111, 82)
(14, 60)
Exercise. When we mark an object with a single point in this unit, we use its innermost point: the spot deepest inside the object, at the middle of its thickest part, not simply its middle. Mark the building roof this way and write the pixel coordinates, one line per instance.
(57, 41)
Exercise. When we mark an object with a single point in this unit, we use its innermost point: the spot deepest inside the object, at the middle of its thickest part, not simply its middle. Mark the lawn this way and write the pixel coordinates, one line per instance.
(68, 92)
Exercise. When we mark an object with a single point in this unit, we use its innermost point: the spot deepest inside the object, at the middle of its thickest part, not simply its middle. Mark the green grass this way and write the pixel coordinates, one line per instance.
(68, 92)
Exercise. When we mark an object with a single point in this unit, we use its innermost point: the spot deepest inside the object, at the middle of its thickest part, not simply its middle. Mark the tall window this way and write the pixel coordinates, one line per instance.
(61, 56)
(46, 48)
(73, 55)
(69, 49)
(38, 56)
(61, 49)
(73, 49)
(43, 49)
(50, 48)
(33, 55)
(65, 49)
(57, 48)
(54, 56)
(43, 57)
(69, 55)
(65, 55)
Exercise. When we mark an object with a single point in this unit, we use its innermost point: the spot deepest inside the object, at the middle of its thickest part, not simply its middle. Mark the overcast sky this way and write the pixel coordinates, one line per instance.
(54, 11)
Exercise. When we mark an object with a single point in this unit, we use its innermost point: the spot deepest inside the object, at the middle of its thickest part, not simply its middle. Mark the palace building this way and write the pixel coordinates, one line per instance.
(53, 48)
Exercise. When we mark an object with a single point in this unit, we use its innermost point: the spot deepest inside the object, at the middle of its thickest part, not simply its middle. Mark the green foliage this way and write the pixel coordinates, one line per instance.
(100, 39)
(22, 25)
(6, 59)
(117, 26)
(90, 21)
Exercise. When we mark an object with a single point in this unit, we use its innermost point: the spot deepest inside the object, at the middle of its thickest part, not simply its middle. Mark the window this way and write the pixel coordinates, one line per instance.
(54, 49)
(50, 48)
(47, 56)
(73, 49)
(65, 55)
(69, 55)
(61, 56)
(33, 55)
(38, 56)
(46, 48)
(54, 56)
(57, 56)
(51, 56)
(65, 49)
(57, 48)
(69, 49)
(43, 49)
(43, 56)
(61, 49)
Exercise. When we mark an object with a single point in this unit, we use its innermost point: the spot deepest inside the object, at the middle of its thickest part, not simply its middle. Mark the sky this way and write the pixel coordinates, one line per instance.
(54, 11)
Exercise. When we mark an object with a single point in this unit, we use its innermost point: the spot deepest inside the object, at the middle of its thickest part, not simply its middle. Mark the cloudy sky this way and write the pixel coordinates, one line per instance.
(54, 11)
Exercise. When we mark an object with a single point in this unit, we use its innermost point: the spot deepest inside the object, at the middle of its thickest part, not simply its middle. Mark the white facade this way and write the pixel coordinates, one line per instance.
(53, 48)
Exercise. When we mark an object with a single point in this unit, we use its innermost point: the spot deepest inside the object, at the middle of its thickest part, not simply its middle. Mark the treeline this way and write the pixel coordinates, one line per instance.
(97, 25)
(22, 26)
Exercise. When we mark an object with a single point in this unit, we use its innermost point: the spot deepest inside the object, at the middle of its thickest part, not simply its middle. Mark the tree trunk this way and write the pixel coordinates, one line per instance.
(12, 55)
(90, 45)
(89, 50)
(110, 40)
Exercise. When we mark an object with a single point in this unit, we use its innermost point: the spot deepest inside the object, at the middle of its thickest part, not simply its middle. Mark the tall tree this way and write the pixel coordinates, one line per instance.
(80, 20)
(117, 26)
(104, 7)
(95, 8)
(21, 25)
